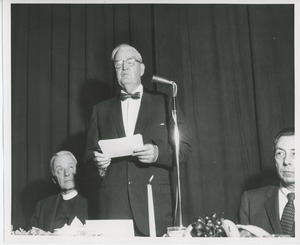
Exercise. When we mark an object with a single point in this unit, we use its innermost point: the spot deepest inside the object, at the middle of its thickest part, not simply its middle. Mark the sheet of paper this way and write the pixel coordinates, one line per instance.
(121, 146)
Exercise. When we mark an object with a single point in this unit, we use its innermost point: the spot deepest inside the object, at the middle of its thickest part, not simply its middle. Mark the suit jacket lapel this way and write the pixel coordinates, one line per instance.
(143, 116)
(116, 113)
(75, 210)
(144, 113)
(272, 208)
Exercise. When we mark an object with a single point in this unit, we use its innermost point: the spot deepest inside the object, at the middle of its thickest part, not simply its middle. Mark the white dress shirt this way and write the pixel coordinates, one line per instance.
(282, 196)
(130, 111)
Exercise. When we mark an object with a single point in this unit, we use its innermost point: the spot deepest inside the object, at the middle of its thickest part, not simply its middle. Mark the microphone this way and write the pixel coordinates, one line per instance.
(157, 79)
(161, 80)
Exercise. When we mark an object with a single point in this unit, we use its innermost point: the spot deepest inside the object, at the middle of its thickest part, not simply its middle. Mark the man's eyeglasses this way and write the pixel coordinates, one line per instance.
(129, 62)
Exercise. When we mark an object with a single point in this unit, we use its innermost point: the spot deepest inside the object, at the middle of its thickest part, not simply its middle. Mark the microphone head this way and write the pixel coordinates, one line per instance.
(157, 79)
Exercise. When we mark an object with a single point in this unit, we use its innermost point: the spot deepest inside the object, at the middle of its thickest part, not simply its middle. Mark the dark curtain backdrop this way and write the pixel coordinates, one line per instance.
(233, 64)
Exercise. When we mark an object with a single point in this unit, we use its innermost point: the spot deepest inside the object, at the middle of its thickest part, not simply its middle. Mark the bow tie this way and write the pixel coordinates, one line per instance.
(134, 96)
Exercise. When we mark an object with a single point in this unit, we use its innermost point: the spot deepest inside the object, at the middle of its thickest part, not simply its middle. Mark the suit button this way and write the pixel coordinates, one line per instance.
(129, 182)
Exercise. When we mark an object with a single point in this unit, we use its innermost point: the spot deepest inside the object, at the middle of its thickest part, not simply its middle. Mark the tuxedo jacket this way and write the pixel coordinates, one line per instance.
(260, 207)
(123, 191)
(45, 211)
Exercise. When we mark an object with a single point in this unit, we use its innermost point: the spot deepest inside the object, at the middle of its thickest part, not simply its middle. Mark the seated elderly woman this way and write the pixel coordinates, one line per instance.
(60, 209)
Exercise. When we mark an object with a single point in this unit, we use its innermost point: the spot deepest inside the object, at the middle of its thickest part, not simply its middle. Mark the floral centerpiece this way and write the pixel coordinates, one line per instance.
(215, 226)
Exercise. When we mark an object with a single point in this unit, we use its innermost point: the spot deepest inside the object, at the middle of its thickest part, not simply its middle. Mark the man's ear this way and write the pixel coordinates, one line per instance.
(142, 69)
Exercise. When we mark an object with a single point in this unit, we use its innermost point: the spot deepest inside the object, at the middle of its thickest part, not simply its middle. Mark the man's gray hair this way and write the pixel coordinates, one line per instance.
(125, 45)
(284, 132)
(58, 154)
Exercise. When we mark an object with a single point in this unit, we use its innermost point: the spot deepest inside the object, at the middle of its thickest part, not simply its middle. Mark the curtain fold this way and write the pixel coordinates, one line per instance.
(233, 64)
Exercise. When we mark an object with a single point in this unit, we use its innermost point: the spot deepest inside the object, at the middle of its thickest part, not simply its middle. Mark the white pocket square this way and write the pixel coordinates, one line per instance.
(161, 124)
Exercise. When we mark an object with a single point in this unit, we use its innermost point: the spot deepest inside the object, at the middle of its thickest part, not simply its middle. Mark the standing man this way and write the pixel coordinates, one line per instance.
(273, 208)
(123, 190)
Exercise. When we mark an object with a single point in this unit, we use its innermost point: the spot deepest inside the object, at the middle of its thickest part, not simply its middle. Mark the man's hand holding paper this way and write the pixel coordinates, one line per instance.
(121, 147)
(126, 146)
(102, 161)
(147, 153)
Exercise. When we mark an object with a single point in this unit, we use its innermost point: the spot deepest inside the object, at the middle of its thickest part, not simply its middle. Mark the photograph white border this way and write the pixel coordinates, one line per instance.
(5, 151)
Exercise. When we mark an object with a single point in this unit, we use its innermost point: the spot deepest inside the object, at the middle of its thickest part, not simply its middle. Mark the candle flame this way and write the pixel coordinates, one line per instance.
(151, 178)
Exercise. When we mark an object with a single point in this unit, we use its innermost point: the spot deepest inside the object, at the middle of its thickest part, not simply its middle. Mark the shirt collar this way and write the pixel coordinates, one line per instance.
(138, 89)
(69, 195)
(284, 190)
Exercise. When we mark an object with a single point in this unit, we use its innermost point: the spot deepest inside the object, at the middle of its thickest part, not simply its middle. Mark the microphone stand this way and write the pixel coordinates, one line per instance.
(179, 229)
(176, 141)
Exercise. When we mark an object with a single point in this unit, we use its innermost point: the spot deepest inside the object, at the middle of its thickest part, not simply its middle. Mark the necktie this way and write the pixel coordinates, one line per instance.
(287, 219)
(134, 96)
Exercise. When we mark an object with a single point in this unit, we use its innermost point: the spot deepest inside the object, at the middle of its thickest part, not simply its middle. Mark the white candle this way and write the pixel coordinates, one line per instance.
(151, 209)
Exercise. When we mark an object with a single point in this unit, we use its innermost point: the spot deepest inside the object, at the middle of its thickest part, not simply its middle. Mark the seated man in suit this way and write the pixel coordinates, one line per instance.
(60, 209)
(272, 207)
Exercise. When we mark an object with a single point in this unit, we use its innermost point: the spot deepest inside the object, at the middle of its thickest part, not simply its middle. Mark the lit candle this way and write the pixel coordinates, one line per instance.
(151, 209)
